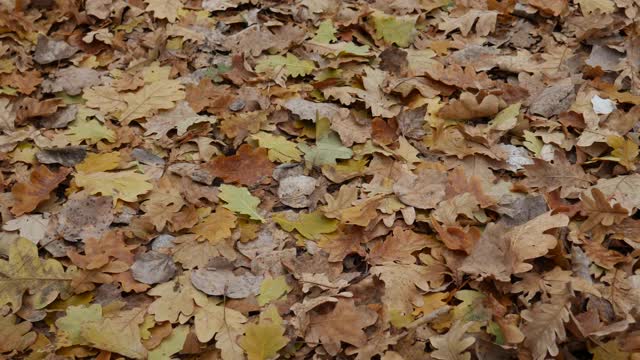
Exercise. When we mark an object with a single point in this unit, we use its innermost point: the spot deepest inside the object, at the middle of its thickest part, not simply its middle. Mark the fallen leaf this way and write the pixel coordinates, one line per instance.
(501, 252)
(123, 185)
(248, 166)
(262, 340)
(42, 182)
(343, 324)
(453, 344)
(240, 200)
(26, 272)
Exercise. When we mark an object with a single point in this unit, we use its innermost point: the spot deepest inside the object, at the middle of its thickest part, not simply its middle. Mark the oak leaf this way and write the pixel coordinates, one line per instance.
(262, 340)
(100, 252)
(15, 336)
(212, 318)
(123, 185)
(272, 289)
(310, 225)
(469, 107)
(42, 182)
(401, 285)
(171, 345)
(249, 166)
(222, 281)
(280, 149)
(423, 191)
(544, 325)
(398, 247)
(397, 30)
(343, 324)
(599, 211)
(216, 227)
(26, 272)
(164, 9)
(501, 252)
(240, 200)
(174, 299)
(453, 344)
(561, 174)
(116, 331)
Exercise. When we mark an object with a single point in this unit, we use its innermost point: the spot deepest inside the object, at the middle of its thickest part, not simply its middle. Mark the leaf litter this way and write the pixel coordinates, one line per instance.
(303, 179)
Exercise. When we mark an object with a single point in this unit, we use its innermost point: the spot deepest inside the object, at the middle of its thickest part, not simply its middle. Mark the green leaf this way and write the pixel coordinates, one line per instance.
(328, 147)
(326, 33)
(311, 225)
(280, 149)
(263, 340)
(291, 65)
(397, 30)
(272, 289)
(170, 345)
(240, 200)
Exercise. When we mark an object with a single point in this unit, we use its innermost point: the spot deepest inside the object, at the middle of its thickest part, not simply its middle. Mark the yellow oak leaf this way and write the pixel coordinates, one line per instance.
(272, 289)
(311, 225)
(99, 162)
(175, 298)
(170, 345)
(26, 272)
(124, 185)
(116, 331)
(217, 226)
(263, 339)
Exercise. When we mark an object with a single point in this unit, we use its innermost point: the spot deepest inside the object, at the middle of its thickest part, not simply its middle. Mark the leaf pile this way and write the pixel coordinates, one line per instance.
(305, 179)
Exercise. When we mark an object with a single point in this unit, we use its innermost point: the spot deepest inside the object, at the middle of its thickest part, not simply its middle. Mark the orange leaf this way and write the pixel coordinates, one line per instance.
(248, 166)
(41, 183)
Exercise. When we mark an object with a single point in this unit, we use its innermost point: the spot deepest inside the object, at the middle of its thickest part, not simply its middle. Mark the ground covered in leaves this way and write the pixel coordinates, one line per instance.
(319, 179)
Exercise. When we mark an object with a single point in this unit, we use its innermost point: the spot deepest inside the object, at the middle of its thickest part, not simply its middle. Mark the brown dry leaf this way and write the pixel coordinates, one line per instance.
(210, 97)
(469, 107)
(398, 247)
(217, 226)
(599, 211)
(345, 323)
(15, 336)
(100, 252)
(423, 191)
(544, 326)
(453, 344)
(42, 182)
(249, 166)
(559, 175)
(501, 252)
